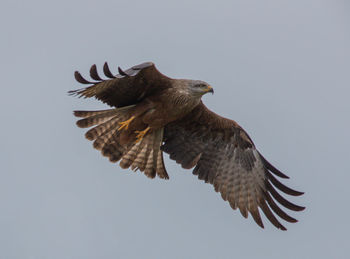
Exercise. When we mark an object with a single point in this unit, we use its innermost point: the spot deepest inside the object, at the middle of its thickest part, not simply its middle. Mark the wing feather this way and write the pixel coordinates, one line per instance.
(93, 73)
(81, 80)
(224, 155)
(128, 87)
(107, 71)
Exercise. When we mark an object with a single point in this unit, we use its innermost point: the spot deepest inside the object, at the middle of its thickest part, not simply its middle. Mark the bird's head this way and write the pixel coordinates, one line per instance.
(199, 88)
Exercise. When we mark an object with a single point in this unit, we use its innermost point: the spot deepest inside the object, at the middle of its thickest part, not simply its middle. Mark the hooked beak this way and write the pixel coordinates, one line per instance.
(210, 89)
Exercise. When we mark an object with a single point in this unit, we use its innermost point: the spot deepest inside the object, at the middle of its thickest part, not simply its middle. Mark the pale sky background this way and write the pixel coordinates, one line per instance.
(281, 69)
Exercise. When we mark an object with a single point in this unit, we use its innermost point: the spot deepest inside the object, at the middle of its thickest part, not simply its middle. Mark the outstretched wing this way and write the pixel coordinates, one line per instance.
(126, 88)
(224, 155)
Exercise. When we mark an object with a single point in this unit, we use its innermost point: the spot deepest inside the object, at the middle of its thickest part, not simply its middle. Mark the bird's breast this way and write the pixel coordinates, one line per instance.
(169, 107)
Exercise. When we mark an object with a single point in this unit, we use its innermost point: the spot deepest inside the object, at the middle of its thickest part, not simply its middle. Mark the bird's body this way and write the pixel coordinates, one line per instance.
(159, 113)
(153, 114)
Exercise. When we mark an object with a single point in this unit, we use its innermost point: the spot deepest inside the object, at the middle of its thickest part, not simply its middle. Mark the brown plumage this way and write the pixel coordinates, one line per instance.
(153, 114)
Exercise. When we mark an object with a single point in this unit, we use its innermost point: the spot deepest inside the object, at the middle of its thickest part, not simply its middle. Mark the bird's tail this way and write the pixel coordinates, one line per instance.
(144, 155)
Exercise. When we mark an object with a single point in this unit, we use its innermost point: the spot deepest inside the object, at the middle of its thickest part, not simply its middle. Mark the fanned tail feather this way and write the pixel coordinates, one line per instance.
(98, 118)
(141, 159)
(144, 155)
(85, 114)
(103, 128)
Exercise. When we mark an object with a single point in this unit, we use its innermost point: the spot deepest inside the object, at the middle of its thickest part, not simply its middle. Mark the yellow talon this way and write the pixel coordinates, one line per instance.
(141, 134)
(125, 124)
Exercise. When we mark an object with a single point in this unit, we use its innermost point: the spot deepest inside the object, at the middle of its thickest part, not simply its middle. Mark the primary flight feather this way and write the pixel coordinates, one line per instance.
(153, 113)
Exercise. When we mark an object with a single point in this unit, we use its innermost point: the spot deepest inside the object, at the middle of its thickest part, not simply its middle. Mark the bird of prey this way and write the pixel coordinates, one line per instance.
(152, 113)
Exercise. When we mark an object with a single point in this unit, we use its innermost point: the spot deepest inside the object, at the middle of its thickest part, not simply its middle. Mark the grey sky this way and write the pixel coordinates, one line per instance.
(279, 68)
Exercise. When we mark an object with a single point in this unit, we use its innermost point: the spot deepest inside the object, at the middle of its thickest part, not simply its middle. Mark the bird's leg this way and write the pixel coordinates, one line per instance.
(125, 124)
(141, 134)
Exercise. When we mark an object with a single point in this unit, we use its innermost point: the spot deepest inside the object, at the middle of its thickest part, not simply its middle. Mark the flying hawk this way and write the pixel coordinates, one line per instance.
(152, 113)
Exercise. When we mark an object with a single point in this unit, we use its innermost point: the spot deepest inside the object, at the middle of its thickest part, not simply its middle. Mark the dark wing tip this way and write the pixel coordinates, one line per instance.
(122, 72)
(260, 224)
(278, 210)
(256, 216)
(281, 186)
(268, 213)
(281, 200)
(273, 169)
(107, 71)
(282, 228)
(81, 79)
(94, 74)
